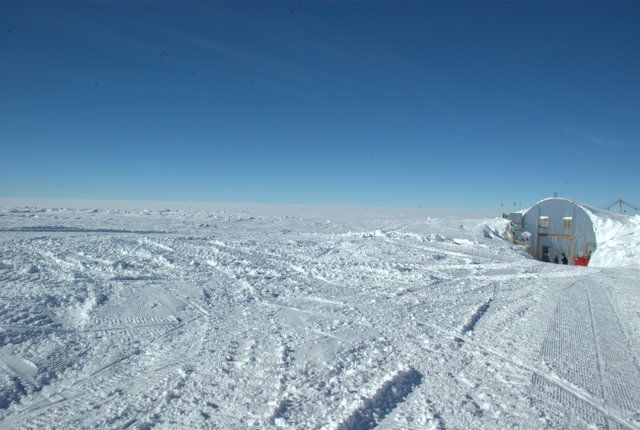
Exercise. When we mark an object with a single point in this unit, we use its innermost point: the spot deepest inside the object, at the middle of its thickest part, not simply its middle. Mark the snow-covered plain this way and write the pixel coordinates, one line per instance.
(263, 317)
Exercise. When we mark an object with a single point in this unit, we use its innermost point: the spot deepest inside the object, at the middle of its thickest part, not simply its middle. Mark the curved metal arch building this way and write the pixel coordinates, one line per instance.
(559, 226)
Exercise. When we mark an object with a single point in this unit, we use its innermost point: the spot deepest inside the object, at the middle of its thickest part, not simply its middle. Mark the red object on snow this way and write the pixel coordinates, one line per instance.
(581, 261)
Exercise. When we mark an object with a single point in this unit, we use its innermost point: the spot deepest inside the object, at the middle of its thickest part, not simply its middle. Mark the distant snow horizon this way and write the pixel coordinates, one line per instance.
(189, 206)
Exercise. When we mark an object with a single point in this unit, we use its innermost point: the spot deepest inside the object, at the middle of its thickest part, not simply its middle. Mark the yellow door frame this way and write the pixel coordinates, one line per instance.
(570, 236)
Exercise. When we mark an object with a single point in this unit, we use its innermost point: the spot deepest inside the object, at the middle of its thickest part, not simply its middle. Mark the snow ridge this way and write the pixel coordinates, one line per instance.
(387, 398)
(476, 317)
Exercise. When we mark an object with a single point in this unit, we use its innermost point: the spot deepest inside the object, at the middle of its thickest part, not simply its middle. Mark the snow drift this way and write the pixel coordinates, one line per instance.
(617, 237)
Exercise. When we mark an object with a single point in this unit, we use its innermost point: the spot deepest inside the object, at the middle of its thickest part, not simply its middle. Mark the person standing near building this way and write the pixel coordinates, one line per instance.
(564, 259)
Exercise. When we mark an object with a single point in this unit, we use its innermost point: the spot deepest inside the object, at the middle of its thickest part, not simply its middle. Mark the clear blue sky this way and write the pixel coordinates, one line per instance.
(456, 105)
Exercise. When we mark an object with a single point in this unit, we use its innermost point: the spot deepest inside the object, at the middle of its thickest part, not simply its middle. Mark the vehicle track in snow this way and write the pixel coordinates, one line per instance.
(576, 400)
(105, 373)
(586, 346)
(112, 375)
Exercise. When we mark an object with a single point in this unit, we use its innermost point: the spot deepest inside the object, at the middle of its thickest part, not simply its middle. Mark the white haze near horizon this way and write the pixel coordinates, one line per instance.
(268, 208)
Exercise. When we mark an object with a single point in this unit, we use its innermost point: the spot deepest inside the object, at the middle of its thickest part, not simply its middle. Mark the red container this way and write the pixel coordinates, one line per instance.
(581, 261)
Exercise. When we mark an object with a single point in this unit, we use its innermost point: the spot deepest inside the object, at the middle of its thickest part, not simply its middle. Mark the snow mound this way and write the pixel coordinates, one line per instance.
(617, 237)
(618, 241)
(495, 228)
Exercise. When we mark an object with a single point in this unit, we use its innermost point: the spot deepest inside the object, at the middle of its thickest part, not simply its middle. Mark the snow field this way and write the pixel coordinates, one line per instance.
(136, 319)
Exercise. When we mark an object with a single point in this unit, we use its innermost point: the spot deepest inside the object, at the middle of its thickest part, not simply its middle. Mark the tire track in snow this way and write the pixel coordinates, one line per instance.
(251, 359)
(85, 386)
(586, 348)
(620, 372)
(132, 327)
(583, 400)
(79, 386)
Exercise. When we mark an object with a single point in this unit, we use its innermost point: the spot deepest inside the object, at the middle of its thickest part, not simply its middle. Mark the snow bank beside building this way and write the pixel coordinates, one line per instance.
(618, 238)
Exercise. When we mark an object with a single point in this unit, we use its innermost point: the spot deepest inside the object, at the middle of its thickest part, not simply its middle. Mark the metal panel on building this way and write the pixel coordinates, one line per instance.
(559, 229)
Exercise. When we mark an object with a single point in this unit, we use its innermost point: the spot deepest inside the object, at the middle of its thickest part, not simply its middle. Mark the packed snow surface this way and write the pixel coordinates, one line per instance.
(330, 318)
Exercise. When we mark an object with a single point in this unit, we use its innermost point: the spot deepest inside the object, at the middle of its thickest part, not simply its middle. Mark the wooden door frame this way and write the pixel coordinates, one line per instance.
(570, 236)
